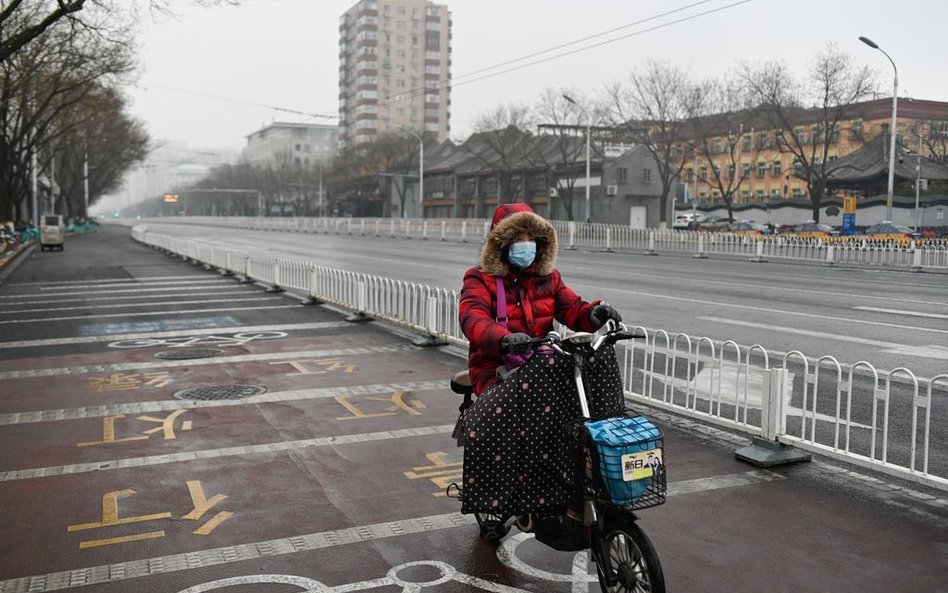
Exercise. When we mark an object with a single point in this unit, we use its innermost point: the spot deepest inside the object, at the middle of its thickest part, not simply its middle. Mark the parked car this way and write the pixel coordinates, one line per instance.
(713, 224)
(889, 231)
(747, 228)
(811, 230)
(688, 221)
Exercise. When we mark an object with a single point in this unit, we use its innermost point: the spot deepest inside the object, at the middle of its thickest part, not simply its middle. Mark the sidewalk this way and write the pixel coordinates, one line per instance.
(333, 475)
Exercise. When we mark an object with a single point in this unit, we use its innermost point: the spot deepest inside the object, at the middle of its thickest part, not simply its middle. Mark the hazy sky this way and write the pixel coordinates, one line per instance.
(284, 53)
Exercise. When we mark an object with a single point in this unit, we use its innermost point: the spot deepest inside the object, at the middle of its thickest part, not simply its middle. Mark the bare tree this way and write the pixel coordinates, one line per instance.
(823, 100)
(372, 167)
(559, 150)
(501, 142)
(22, 21)
(106, 139)
(721, 125)
(41, 88)
(652, 109)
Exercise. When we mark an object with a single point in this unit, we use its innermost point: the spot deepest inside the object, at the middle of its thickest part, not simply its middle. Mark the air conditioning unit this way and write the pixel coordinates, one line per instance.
(612, 190)
(553, 192)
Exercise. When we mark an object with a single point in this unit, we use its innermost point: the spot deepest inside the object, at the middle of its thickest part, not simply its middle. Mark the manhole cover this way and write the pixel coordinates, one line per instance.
(189, 353)
(215, 392)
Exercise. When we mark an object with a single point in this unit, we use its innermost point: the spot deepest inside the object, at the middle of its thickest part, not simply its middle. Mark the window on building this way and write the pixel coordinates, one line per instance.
(730, 170)
(745, 195)
(646, 175)
(401, 54)
(776, 168)
(703, 173)
(761, 169)
(717, 171)
(296, 147)
(689, 175)
(762, 142)
(400, 9)
(400, 25)
(622, 175)
(746, 169)
(834, 135)
(400, 39)
(746, 143)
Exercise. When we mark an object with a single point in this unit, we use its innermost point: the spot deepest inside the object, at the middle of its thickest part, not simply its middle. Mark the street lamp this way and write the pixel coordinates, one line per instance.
(586, 116)
(895, 106)
(421, 169)
(918, 177)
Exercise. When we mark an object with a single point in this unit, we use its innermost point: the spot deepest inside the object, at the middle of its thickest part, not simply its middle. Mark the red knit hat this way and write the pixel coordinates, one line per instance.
(505, 210)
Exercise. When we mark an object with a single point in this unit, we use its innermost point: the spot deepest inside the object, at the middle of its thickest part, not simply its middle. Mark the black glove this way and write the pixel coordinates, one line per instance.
(517, 343)
(602, 313)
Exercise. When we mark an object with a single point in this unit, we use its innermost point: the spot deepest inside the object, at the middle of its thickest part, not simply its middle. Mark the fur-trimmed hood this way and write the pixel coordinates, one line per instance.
(493, 260)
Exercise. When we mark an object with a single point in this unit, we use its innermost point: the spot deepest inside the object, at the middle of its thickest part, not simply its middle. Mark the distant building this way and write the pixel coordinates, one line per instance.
(760, 157)
(394, 69)
(294, 144)
(184, 175)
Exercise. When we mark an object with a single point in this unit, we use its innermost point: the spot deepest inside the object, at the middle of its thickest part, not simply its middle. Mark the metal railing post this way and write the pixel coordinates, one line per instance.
(572, 235)
(759, 257)
(766, 450)
(651, 244)
(463, 231)
(916, 259)
(701, 254)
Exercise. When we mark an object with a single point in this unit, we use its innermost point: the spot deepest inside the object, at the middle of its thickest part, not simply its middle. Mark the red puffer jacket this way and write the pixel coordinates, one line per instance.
(535, 296)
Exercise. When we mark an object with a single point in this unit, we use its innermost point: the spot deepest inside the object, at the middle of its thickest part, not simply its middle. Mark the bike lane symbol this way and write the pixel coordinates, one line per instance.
(580, 577)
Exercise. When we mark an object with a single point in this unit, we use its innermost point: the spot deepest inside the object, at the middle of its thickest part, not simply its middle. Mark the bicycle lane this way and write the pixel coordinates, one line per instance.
(317, 493)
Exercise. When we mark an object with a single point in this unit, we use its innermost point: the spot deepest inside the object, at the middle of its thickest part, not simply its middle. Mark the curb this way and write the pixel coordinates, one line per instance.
(10, 264)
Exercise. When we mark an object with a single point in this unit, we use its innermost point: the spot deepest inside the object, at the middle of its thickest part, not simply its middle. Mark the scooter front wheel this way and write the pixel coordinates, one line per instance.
(631, 563)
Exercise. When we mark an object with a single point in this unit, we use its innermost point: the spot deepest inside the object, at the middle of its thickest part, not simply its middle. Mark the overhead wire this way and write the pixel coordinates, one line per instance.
(459, 80)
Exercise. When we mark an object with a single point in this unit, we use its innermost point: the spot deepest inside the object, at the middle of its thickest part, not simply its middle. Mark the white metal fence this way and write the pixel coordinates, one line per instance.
(922, 255)
(885, 420)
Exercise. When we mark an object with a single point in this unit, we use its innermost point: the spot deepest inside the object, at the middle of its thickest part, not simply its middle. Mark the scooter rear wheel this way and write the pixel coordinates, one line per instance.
(492, 527)
(632, 564)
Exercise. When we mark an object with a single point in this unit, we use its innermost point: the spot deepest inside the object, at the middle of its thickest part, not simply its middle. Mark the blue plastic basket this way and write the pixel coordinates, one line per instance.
(629, 452)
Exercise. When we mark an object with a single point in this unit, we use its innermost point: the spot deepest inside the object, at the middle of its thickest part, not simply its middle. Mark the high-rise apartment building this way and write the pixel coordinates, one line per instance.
(394, 69)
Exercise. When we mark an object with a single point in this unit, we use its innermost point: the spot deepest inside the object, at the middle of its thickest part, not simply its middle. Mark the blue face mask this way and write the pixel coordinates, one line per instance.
(522, 254)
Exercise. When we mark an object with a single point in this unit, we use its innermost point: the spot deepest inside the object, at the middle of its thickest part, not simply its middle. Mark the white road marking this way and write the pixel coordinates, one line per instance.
(921, 351)
(665, 297)
(171, 334)
(740, 387)
(148, 314)
(142, 280)
(174, 404)
(202, 559)
(203, 293)
(33, 297)
(903, 312)
(691, 282)
(223, 452)
(197, 280)
(219, 360)
(167, 303)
